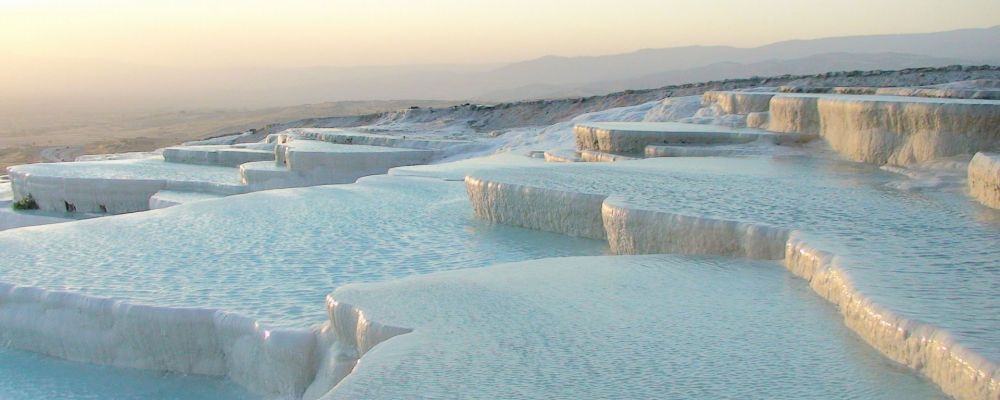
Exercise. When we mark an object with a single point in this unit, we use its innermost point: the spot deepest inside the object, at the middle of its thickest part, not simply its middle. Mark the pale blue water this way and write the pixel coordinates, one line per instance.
(930, 254)
(636, 327)
(274, 255)
(147, 168)
(734, 329)
(28, 376)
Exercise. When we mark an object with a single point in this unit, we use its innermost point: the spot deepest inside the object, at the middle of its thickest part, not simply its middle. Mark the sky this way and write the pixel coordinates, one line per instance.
(297, 33)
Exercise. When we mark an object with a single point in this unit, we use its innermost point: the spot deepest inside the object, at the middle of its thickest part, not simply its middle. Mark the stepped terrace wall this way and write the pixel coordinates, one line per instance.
(984, 179)
(889, 129)
(757, 208)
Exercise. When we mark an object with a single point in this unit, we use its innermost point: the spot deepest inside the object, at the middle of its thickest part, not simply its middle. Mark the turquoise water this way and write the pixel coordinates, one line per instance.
(28, 376)
(630, 327)
(274, 255)
(928, 253)
(660, 326)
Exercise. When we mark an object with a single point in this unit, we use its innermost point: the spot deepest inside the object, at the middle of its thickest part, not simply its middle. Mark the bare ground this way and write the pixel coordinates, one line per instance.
(37, 134)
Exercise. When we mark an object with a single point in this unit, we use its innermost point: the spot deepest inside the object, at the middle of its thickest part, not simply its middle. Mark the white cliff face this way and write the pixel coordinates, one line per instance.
(794, 114)
(758, 120)
(739, 102)
(984, 179)
(756, 208)
(632, 230)
(885, 131)
(567, 212)
(889, 129)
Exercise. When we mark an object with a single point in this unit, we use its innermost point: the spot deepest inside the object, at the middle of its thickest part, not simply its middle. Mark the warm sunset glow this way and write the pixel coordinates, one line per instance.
(355, 32)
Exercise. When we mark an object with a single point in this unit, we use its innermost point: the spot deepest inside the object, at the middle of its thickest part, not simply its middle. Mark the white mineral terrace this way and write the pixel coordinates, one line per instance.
(720, 150)
(600, 156)
(984, 179)
(222, 155)
(185, 173)
(562, 156)
(425, 282)
(881, 129)
(633, 137)
(170, 198)
(739, 102)
(892, 262)
(117, 186)
(236, 287)
(342, 136)
(629, 327)
(979, 93)
(313, 162)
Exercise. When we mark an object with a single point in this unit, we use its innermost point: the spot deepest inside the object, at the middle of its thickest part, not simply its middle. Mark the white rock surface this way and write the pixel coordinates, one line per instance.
(277, 253)
(221, 155)
(613, 327)
(758, 120)
(600, 156)
(170, 198)
(633, 137)
(342, 136)
(984, 179)
(705, 151)
(890, 129)
(117, 186)
(718, 206)
(739, 102)
(311, 162)
(562, 156)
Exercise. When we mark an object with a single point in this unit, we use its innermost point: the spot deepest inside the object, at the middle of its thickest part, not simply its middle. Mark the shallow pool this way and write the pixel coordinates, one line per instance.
(28, 376)
(274, 255)
(927, 252)
(665, 327)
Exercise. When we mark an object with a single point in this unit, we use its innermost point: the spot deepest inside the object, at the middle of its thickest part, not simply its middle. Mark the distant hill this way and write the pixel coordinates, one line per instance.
(731, 70)
(967, 45)
(117, 85)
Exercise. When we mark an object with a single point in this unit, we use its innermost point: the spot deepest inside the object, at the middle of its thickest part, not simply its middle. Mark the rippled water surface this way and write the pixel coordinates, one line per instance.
(27, 376)
(927, 252)
(636, 327)
(273, 255)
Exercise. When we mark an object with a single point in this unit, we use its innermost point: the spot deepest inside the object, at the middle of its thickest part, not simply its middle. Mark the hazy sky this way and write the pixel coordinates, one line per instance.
(207, 33)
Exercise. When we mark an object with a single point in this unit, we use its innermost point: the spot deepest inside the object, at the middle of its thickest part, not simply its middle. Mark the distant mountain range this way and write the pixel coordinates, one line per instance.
(545, 77)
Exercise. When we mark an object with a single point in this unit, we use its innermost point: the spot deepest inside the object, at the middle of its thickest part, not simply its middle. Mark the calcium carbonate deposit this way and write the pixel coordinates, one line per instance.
(780, 243)
(984, 179)
(615, 327)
